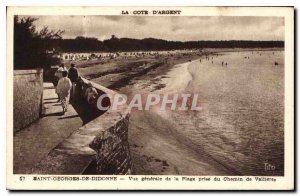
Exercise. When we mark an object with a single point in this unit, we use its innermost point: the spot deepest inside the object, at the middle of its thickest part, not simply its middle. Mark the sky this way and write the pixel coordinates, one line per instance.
(175, 28)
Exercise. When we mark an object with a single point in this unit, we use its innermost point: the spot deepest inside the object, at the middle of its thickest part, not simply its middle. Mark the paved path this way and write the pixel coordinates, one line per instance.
(33, 143)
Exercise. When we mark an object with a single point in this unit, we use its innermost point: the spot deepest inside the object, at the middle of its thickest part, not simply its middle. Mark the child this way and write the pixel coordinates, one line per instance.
(63, 90)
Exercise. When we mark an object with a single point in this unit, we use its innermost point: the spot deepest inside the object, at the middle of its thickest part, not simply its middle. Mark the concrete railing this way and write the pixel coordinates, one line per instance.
(99, 147)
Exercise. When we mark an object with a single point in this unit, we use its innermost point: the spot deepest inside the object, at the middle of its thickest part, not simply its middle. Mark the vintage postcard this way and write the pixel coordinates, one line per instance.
(150, 98)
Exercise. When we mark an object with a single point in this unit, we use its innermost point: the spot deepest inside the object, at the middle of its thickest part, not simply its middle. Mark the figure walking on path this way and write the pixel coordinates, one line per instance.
(63, 90)
(59, 71)
(58, 76)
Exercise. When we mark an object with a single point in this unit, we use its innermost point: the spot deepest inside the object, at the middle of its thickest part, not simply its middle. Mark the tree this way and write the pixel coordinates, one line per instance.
(30, 45)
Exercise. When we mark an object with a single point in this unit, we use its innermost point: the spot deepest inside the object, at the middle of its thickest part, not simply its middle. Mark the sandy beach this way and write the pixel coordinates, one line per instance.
(217, 140)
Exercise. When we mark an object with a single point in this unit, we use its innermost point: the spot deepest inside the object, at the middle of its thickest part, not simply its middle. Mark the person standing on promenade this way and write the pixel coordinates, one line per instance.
(73, 75)
(58, 76)
(59, 71)
(63, 90)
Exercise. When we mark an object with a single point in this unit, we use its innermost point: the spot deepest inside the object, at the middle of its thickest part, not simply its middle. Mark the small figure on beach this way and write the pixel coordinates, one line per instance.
(222, 63)
(73, 75)
(226, 64)
(212, 62)
(200, 60)
(276, 63)
(63, 90)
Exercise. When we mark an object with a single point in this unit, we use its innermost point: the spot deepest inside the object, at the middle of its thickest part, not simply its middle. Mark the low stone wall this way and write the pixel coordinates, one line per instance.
(28, 97)
(99, 147)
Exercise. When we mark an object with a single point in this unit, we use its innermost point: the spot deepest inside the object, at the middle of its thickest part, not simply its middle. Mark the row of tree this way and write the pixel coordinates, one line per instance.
(81, 44)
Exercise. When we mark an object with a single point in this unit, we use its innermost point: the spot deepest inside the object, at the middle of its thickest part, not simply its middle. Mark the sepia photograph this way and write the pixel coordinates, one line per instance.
(141, 94)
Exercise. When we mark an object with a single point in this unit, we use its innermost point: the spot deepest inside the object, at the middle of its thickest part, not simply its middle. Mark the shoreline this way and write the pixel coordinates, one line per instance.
(154, 130)
(177, 79)
(121, 72)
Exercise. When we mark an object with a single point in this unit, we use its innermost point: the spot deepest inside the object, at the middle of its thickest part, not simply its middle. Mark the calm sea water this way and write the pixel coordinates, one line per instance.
(241, 126)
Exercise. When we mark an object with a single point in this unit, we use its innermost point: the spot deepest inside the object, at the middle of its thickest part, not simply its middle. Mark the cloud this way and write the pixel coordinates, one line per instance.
(113, 18)
(179, 28)
(176, 28)
(140, 20)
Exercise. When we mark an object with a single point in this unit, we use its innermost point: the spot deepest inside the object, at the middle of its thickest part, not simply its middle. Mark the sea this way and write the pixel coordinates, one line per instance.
(241, 123)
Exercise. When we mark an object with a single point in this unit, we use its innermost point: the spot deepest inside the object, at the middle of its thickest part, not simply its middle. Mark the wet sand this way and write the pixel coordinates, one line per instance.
(156, 148)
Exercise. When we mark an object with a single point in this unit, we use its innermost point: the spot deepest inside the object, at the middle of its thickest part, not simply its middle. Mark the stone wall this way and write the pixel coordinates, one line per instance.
(112, 148)
(27, 97)
(99, 147)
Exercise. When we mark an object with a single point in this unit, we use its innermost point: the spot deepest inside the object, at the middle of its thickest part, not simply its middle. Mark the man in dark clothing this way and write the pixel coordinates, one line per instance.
(73, 75)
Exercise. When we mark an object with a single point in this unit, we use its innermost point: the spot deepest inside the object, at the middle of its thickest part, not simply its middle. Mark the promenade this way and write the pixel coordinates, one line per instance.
(33, 143)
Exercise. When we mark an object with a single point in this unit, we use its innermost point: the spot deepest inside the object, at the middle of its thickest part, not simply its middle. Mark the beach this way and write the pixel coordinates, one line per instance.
(239, 129)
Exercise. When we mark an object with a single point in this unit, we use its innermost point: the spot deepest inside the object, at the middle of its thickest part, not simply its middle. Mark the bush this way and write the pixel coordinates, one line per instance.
(31, 46)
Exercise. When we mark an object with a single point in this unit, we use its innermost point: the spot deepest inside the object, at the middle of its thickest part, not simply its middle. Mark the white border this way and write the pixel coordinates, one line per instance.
(289, 75)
